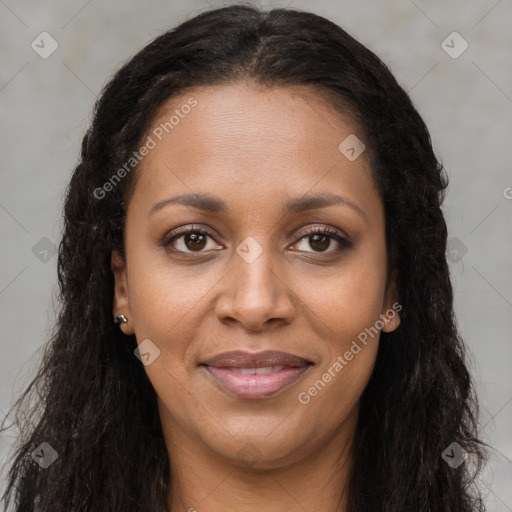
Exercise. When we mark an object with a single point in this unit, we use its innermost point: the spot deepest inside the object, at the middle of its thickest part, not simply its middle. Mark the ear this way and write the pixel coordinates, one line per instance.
(392, 307)
(121, 305)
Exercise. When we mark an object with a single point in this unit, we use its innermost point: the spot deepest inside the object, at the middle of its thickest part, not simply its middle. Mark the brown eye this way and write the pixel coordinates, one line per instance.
(189, 241)
(320, 240)
(194, 241)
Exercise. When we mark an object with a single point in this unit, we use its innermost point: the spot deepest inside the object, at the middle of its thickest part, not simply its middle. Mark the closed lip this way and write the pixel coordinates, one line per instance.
(256, 376)
(246, 359)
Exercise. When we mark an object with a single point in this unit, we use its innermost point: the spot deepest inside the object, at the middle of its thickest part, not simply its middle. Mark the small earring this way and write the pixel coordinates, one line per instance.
(120, 319)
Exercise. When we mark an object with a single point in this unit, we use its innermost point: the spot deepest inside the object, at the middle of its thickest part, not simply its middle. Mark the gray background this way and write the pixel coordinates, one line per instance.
(466, 102)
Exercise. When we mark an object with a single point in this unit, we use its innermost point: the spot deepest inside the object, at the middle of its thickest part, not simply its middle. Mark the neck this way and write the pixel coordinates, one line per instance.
(314, 480)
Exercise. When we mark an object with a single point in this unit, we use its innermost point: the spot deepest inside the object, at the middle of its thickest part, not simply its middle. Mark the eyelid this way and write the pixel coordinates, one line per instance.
(338, 235)
(183, 230)
(322, 228)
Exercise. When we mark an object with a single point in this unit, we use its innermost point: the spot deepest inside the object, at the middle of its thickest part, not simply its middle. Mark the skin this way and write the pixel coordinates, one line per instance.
(255, 148)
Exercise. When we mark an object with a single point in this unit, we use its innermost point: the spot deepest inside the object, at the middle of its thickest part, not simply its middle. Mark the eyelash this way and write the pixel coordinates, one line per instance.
(343, 241)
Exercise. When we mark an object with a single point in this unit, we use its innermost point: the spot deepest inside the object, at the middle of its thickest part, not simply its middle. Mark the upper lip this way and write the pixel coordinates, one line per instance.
(244, 359)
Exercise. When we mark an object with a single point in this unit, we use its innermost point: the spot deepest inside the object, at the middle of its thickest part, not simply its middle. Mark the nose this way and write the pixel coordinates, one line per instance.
(254, 295)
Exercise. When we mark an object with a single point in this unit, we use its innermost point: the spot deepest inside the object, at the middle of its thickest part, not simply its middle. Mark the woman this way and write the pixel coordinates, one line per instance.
(256, 305)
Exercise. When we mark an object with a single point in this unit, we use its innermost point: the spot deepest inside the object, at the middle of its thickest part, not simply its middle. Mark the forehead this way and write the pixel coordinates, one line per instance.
(249, 116)
(241, 136)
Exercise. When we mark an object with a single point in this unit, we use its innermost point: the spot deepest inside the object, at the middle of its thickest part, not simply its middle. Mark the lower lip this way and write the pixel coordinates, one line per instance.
(256, 386)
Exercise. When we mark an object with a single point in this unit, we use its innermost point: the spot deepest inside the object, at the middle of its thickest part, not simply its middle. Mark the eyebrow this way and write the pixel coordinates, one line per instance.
(213, 204)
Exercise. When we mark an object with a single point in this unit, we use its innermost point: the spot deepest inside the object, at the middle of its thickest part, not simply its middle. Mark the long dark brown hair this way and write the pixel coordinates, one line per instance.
(91, 399)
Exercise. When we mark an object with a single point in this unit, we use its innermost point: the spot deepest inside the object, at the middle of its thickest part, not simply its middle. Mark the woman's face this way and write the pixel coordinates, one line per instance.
(221, 279)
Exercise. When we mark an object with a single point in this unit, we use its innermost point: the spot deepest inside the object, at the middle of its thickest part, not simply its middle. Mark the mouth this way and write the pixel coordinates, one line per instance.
(256, 375)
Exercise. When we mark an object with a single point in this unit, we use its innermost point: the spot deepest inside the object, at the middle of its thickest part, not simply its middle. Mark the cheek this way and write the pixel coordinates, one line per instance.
(346, 318)
(331, 398)
(163, 296)
(347, 309)
(348, 323)
(348, 300)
